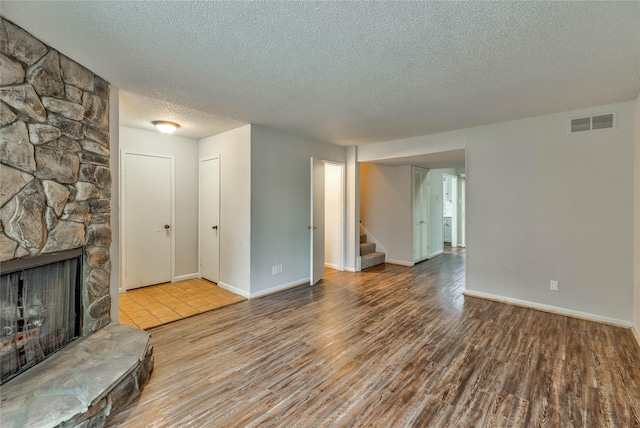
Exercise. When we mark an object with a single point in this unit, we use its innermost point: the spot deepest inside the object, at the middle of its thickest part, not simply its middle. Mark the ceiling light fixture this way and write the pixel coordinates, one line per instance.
(165, 127)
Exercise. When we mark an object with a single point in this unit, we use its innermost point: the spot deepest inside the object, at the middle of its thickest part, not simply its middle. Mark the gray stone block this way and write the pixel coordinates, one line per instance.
(76, 75)
(7, 115)
(40, 133)
(45, 76)
(11, 72)
(57, 164)
(24, 99)
(19, 44)
(13, 180)
(15, 148)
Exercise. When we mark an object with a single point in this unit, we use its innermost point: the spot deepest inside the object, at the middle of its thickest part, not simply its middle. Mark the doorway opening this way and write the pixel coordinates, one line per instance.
(327, 220)
(334, 215)
(450, 209)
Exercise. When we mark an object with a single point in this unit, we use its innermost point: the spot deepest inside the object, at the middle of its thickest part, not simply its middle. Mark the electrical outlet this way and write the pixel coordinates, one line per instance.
(554, 285)
(276, 269)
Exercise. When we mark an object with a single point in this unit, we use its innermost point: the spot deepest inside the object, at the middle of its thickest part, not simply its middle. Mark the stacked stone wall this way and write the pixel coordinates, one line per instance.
(55, 180)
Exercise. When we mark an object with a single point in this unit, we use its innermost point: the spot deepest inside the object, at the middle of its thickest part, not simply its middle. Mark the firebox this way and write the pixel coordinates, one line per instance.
(40, 309)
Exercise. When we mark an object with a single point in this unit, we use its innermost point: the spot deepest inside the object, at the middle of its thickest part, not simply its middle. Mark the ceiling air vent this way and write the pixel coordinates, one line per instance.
(592, 123)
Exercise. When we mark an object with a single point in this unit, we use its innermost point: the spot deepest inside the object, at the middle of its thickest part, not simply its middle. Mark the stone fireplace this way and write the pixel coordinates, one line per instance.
(55, 197)
(40, 309)
(54, 163)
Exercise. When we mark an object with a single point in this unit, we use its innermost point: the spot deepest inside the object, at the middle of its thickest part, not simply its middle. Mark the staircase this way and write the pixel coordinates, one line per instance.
(368, 255)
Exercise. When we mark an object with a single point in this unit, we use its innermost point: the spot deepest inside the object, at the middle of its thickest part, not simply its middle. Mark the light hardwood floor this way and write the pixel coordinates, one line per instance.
(391, 346)
(155, 305)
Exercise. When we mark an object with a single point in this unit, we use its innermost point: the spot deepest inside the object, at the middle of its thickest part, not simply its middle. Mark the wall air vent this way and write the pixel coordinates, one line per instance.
(592, 123)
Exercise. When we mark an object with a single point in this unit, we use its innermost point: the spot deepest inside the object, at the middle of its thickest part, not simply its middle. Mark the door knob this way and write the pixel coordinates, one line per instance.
(313, 227)
(214, 227)
(166, 226)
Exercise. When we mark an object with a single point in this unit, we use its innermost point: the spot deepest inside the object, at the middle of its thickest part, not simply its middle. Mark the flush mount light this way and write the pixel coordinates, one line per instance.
(165, 127)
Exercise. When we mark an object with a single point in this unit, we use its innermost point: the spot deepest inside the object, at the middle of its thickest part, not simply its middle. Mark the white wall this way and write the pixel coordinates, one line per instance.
(280, 206)
(333, 216)
(114, 249)
(234, 149)
(539, 207)
(386, 208)
(636, 258)
(185, 152)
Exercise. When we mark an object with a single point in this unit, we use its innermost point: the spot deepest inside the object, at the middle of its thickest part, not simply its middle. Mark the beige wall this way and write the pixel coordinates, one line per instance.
(280, 206)
(543, 205)
(385, 209)
(234, 149)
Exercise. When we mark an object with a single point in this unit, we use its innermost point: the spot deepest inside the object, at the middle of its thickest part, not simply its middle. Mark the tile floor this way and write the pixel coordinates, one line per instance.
(163, 303)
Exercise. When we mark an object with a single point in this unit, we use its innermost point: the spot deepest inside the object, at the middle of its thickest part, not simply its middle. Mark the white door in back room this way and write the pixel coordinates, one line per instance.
(147, 215)
(316, 226)
(210, 219)
(421, 218)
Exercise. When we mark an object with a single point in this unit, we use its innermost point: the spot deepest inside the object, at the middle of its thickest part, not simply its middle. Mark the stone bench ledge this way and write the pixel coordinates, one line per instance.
(81, 384)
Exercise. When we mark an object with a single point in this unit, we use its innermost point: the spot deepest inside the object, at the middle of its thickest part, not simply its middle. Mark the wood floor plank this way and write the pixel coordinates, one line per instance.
(391, 346)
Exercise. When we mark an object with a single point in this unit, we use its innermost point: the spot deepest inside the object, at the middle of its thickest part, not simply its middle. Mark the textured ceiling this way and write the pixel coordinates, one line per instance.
(137, 111)
(351, 72)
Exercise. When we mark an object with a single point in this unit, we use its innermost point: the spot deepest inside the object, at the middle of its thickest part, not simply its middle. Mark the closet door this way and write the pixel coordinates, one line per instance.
(147, 214)
(210, 219)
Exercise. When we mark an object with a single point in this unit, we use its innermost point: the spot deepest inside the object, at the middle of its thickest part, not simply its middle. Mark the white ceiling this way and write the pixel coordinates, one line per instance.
(347, 72)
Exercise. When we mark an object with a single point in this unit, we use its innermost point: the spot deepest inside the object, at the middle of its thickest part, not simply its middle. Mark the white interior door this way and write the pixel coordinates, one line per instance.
(420, 214)
(463, 198)
(454, 209)
(148, 185)
(210, 219)
(316, 227)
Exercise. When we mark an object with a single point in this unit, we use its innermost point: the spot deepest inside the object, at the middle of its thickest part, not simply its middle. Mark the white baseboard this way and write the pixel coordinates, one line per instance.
(186, 277)
(636, 334)
(332, 266)
(350, 269)
(400, 262)
(280, 287)
(547, 308)
(437, 253)
(233, 289)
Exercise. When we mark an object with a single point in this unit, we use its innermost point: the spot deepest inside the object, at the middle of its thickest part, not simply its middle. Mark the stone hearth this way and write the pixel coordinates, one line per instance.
(81, 385)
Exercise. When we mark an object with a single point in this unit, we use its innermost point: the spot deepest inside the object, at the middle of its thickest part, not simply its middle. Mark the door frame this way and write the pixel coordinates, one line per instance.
(123, 211)
(313, 227)
(200, 161)
(343, 212)
(454, 209)
(427, 171)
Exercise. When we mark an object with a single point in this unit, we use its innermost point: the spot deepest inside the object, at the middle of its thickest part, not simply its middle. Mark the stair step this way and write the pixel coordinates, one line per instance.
(370, 260)
(367, 248)
(363, 238)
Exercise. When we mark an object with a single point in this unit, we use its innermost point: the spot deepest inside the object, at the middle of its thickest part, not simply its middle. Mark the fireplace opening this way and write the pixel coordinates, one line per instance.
(40, 309)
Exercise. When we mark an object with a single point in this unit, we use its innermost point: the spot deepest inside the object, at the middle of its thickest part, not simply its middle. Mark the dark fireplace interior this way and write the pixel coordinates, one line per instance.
(40, 309)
